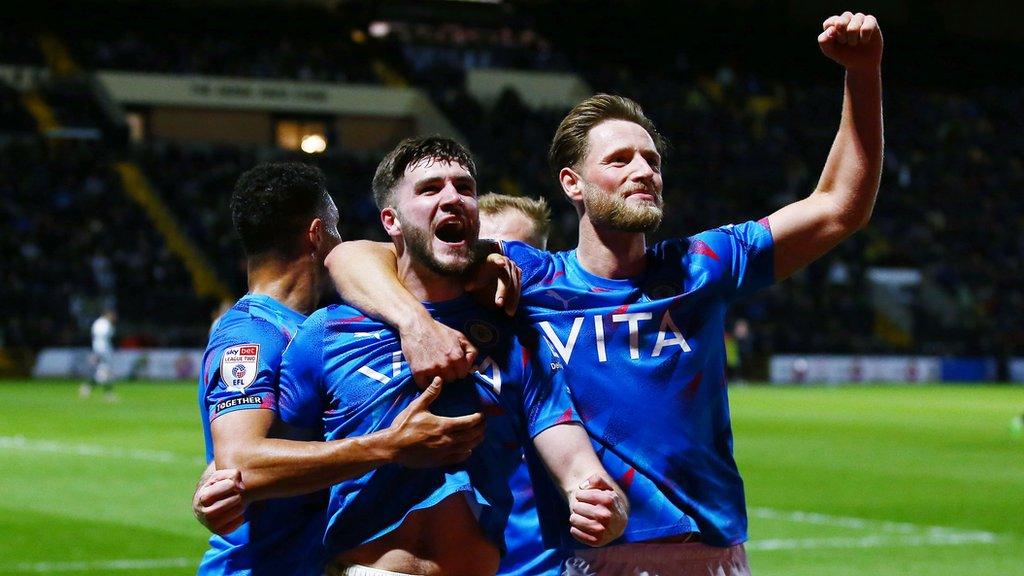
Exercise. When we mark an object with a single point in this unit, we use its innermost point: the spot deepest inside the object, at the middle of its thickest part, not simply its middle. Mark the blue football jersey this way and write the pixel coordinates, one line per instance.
(344, 375)
(645, 364)
(527, 554)
(240, 372)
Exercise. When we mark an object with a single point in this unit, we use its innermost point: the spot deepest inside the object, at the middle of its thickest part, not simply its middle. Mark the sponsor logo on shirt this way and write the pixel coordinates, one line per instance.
(239, 365)
(669, 337)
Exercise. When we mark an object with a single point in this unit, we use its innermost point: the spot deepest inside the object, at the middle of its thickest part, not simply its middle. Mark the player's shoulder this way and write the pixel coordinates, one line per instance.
(714, 245)
(743, 233)
(342, 321)
(540, 268)
(527, 257)
(241, 326)
(343, 316)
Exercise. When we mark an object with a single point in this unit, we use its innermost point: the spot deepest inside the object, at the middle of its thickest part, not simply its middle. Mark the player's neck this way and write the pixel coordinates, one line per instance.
(425, 284)
(291, 282)
(610, 253)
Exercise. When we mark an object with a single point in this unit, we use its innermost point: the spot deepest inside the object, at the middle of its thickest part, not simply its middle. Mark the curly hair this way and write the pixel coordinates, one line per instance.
(273, 203)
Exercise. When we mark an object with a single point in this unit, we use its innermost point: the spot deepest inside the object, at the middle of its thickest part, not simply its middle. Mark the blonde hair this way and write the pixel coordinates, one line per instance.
(536, 209)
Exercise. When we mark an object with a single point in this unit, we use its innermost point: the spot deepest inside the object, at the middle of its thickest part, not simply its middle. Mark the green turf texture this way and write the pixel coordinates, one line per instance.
(88, 485)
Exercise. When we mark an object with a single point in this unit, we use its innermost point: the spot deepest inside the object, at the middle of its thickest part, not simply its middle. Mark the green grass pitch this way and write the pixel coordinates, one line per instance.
(878, 481)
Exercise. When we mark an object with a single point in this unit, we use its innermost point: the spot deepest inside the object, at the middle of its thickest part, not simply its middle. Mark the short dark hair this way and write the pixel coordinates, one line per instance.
(273, 204)
(410, 151)
(569, 146)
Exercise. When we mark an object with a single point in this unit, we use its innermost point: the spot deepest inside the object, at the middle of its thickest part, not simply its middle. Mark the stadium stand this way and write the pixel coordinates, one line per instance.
(456, 47)
(13, 116)
(77, 243)
(745, 140)
(197, 182)
(305, 45)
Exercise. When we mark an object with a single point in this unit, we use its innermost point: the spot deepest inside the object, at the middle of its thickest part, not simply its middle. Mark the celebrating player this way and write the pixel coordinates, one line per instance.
(654, 316)
(287, 222)
(344, 374)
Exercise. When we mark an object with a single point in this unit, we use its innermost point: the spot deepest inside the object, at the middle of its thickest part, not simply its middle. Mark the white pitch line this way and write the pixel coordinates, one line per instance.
(867, 524)
(93, 450)
(896, 533)
(105, 565)
(873, 541)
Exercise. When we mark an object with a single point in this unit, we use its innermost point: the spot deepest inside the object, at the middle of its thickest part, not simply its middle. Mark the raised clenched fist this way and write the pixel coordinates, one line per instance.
(852, 40)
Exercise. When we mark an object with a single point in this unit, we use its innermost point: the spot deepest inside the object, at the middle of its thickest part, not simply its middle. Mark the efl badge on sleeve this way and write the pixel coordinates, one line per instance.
(238, 366)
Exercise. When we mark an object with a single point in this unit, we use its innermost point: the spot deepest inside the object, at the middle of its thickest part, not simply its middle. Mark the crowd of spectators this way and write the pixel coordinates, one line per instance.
(430, 47)
(13, 116)
(196, 183)
(73, 242)
(741, 150)
(308, 43)
(19, 45)
(334, 58)
(743, 144)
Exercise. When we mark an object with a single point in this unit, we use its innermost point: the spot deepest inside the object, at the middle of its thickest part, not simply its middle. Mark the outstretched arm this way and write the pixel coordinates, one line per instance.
(598, 508)
(273, 467)
(845, 195)
(365, 275)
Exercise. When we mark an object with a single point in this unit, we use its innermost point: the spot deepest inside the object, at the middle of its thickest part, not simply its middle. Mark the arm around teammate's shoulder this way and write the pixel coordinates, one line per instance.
(366, 276)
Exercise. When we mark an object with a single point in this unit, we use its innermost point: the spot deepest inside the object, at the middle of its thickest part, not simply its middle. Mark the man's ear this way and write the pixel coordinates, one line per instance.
(389, 218)
(572, 184)
(314, 234)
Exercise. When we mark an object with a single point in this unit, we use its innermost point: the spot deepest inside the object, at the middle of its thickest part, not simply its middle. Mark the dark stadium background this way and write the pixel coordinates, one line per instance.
(740, 89)
(114, 186)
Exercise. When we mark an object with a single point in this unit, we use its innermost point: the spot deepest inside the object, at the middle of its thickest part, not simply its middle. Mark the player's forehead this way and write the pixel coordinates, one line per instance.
(430, 169)
(507, 224)
(614, 135)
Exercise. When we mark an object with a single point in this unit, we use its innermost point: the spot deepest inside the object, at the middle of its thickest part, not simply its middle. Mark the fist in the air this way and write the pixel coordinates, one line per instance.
(852, 40)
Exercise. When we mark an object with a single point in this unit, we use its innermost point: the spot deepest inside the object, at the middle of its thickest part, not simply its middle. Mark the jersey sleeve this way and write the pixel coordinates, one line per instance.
(546, 400)
(301, 383)
(245, 375)
(740, 254)
(535, 264)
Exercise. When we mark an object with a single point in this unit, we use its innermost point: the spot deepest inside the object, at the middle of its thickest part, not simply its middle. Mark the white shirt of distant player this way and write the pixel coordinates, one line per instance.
(102, 334)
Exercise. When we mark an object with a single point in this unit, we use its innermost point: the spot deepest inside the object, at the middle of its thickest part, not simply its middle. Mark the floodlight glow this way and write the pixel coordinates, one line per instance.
(313, 144)
(379, 29)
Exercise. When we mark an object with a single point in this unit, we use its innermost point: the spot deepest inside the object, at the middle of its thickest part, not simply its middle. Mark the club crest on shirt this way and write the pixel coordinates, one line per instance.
(481, 333)
(239, 365)
(663, 289)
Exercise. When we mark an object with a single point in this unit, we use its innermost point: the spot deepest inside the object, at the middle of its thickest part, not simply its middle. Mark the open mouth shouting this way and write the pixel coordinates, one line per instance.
(453, 231)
